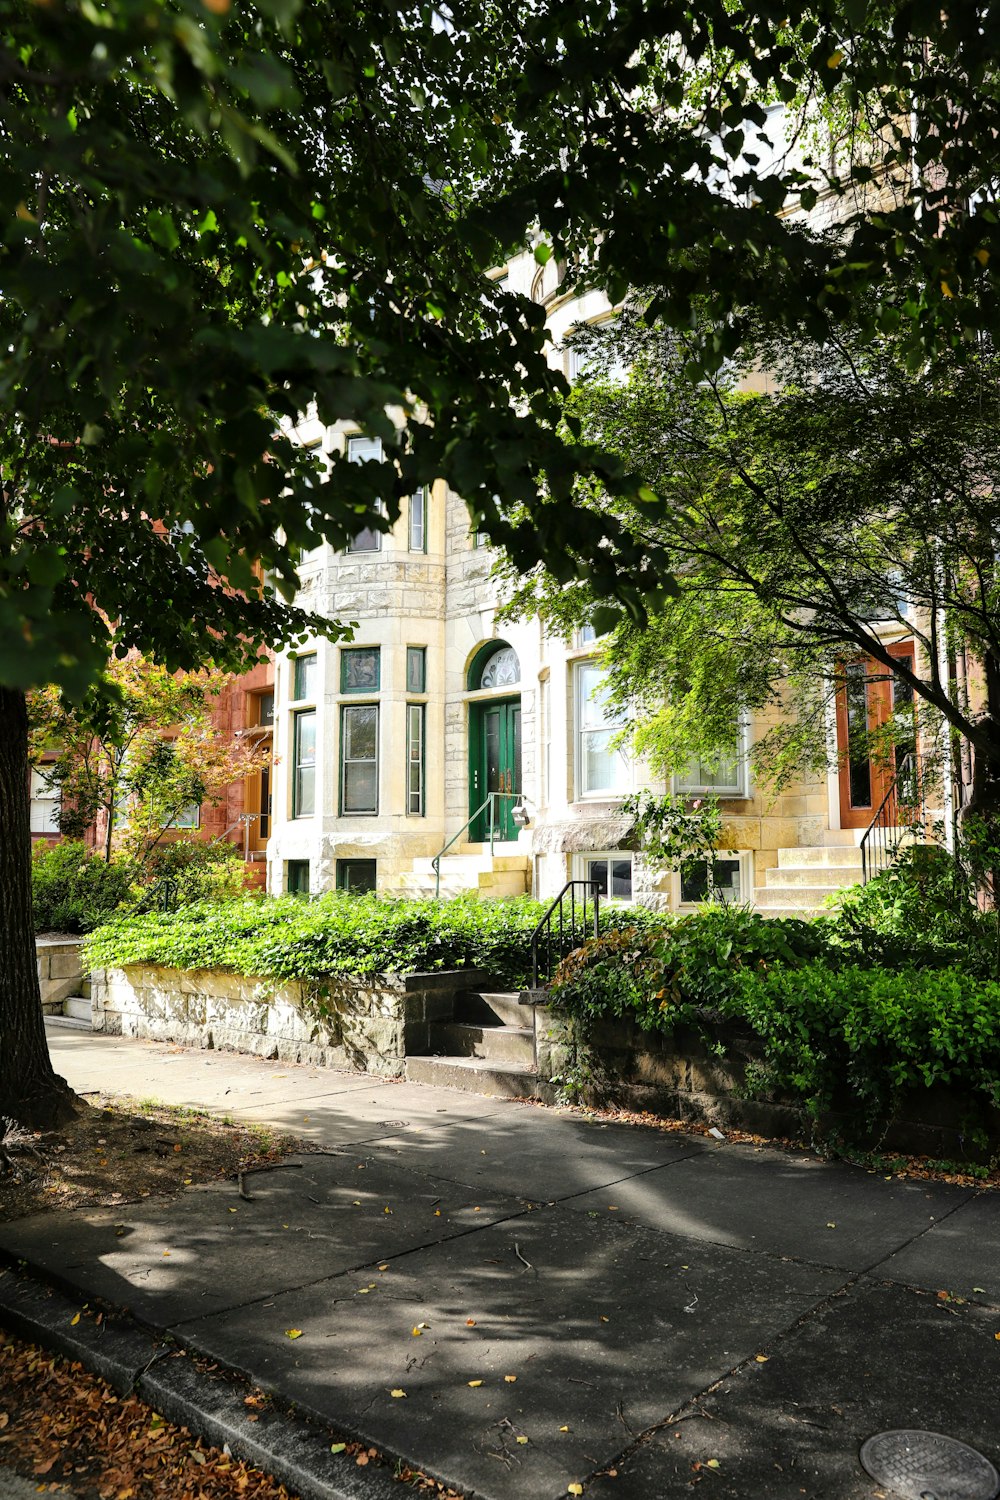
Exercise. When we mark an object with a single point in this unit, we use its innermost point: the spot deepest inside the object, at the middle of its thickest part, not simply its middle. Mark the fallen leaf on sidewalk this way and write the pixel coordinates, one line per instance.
(73, 1321)
(293, 1333)
(510, 1379)
(337, 1447)
(474, 1383)
(397, 1393)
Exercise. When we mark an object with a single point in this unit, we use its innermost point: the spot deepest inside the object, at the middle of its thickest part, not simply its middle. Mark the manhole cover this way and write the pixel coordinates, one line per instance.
(928, 1466)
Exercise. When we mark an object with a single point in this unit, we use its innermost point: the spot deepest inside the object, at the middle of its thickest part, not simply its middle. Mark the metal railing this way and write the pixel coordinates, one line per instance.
(492, 798)
(899, 811)
(573, 927)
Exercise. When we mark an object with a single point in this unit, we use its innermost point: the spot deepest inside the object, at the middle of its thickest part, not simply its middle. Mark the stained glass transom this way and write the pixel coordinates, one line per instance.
(502, 669)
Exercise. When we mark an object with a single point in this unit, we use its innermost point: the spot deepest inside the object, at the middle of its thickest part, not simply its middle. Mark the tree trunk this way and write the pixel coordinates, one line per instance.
(31, 1092)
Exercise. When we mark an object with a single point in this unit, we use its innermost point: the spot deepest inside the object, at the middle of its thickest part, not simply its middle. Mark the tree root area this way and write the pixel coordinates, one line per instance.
(118, 1150)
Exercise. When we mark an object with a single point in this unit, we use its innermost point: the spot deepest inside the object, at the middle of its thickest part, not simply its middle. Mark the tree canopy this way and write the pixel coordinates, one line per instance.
(216, 217)
(816, 505)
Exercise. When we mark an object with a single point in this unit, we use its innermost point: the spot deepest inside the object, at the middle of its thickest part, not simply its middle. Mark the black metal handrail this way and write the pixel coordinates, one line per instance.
(896, 811)
(572, 932)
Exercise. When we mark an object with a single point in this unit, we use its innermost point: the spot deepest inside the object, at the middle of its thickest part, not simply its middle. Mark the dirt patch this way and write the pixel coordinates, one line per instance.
(117, 1150)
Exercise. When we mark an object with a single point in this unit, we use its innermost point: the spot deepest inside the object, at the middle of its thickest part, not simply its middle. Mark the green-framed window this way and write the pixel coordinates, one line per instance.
(304, 763)
(415, 751)
(297, 877)
(356, 875)
(416, 669)
(304, 678)
(360, 669)
(359, 758)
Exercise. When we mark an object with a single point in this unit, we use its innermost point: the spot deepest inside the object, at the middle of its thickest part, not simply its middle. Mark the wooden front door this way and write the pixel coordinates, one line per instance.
(868, 700)
(494, 766)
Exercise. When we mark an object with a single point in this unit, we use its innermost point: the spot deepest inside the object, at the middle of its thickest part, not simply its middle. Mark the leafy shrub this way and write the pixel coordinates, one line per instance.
(74, 890)
(918, 914)
(663, 973)
(285, 937)
(858, 1038)
(203, 871)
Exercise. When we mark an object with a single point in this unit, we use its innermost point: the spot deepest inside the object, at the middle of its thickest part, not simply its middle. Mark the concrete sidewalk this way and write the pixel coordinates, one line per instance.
(559, 1301)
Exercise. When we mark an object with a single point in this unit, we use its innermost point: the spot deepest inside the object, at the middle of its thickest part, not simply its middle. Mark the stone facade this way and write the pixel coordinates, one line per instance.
(440, 596)
(364, 1027)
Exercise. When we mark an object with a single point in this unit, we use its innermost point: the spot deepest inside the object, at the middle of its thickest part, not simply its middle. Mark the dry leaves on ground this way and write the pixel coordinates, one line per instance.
(117, 1150)
(63, 1426)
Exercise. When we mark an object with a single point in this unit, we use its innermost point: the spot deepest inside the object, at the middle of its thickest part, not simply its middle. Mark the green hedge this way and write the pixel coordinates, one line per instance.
(284, 937)
(860, 1037)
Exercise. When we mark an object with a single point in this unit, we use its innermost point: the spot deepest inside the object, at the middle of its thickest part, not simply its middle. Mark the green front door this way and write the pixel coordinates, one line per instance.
(494, 766)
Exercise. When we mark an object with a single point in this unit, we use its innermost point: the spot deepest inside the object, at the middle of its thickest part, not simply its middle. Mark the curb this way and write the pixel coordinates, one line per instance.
(294, 1451)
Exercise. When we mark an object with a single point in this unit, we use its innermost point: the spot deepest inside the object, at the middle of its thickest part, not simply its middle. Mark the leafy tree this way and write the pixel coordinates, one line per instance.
(215, 217)
(801, 511)
(139, 752)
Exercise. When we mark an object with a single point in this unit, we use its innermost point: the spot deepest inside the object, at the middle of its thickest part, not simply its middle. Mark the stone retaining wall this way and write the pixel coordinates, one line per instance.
(685, 1077)
(60, 969)
(367, 1027)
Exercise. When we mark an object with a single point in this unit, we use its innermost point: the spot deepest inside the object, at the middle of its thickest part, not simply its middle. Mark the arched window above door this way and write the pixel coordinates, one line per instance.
(495, 666)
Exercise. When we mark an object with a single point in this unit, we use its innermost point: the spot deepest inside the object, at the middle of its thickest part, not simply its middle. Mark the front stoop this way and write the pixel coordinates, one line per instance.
(487, 1048)
(803, 879)
(473, 869)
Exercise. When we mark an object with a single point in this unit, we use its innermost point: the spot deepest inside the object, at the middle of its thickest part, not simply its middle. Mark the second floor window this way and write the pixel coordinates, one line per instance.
(418, 520)
(601, 770)
(304, 764)
(360, 669)
(304, 678)
(361, 450)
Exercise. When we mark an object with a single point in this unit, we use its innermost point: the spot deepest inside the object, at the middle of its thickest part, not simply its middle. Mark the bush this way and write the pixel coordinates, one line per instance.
(74, 890)
(918, 914)
(285, 937)
(664, 973)
(336, 934)
(858, 1038)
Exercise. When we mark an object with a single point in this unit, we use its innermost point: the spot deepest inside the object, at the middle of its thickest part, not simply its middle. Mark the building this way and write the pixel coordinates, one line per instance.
(436, 734)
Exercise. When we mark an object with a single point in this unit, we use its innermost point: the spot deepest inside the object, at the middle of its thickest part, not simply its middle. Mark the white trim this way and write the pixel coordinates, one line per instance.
(583, 859)
(594, 794)
(736, 791)
(745, 858)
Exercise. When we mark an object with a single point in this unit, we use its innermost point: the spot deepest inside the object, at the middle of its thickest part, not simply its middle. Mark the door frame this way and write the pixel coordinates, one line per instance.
(479, 829)
(879, 709)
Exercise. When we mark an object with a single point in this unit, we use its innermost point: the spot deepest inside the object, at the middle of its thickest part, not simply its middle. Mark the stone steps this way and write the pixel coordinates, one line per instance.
(493, 1044)
(805, 877)
(498, 1007)
(475, 1076)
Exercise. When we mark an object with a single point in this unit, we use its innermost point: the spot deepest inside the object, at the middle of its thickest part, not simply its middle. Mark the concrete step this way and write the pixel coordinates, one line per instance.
(490, 1009)
(786, 876)
(469, 863)
(79, 1008)
(68, 1023)
(798, 895)
(789, 911)
(840, 855)
(494, 1044)
(512, 1081)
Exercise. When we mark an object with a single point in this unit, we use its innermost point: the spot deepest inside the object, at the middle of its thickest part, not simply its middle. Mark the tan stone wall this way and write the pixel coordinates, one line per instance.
(366, 1028)
(60, 969)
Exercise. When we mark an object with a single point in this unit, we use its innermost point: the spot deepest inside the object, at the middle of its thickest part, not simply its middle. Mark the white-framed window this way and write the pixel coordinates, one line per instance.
(725, 775)
(727, 877)
(418, 520)
(362, 450)
(45, 802)
(610, 870)
(601, 770)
